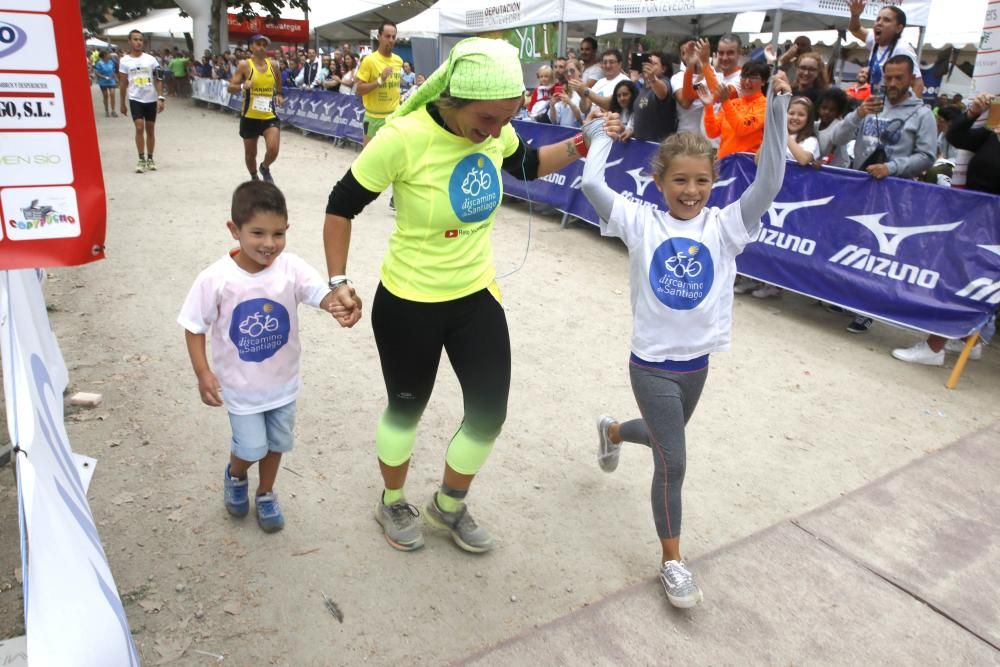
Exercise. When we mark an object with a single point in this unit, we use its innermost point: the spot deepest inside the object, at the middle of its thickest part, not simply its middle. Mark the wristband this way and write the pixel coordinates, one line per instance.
(379, 81)
(161, 98)
(580, 145)
(337, 281)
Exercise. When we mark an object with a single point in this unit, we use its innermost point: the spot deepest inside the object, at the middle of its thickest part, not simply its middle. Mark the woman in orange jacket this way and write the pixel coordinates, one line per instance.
(740, 124)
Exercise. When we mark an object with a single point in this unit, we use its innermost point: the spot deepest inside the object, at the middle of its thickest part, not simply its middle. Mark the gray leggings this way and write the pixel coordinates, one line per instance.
(666, 402)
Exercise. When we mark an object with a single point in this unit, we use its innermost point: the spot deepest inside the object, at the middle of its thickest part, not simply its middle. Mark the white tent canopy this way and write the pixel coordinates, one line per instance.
(357, 19)
(472, 16)
(97, 43)
(156, 22)
(951, 23)
(425, 24)
(684, 17)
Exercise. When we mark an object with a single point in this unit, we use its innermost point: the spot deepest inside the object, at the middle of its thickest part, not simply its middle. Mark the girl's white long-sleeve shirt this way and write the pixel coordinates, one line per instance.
(681, 272)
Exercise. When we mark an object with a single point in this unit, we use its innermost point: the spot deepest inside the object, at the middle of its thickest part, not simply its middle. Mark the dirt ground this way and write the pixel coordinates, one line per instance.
(799, 413)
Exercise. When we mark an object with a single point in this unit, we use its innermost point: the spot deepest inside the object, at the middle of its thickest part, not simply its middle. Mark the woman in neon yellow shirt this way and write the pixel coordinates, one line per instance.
(441, 152)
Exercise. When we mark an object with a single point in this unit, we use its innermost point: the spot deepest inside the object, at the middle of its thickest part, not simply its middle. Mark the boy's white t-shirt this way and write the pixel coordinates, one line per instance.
(681, 275)
(140, 71)
(254, 328)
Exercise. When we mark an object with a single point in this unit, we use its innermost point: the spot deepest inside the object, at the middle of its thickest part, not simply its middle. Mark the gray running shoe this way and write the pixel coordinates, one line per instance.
(400, 525)
(265, 173)
(463, 528)
(150, 165)
(679, 585)
(141, 166)
(608, 452)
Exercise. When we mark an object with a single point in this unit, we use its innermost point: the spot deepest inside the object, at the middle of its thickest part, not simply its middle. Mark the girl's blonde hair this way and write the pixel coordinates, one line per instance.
(685, 144)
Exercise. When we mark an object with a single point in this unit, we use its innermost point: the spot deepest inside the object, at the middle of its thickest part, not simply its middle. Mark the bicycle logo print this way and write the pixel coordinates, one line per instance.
(684, 265)
(474, 188)
(681, 273)
(476, 181)
(259, 328)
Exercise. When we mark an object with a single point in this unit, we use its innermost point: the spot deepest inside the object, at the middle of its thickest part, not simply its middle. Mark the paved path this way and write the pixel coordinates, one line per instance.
(902, 571)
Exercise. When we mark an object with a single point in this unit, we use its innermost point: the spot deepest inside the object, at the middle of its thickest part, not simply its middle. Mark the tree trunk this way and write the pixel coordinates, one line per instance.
(215, 29)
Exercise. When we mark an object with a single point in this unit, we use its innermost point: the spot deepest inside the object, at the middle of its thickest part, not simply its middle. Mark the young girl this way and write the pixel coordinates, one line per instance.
(622, 100)
(541, 96)
(832, 107)
(681, 266)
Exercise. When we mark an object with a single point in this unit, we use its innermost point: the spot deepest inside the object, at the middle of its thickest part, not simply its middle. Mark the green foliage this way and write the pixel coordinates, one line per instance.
(96, 12)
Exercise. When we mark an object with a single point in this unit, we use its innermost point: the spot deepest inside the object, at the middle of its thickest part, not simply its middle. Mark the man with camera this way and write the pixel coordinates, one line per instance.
(655, 112)
(895, 133)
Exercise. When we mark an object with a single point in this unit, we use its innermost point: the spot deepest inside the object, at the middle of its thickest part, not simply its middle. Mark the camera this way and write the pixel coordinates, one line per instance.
(637, 60)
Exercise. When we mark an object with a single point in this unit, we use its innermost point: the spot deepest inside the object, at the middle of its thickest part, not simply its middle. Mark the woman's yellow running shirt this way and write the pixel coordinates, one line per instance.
(446, 190)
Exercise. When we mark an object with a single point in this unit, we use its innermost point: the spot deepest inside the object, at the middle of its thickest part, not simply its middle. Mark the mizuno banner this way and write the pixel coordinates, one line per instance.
(919, 255)
(319, 111)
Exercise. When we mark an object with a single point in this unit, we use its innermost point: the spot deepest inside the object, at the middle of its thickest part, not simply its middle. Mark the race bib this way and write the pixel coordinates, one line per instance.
(140, 81)
(262, 104)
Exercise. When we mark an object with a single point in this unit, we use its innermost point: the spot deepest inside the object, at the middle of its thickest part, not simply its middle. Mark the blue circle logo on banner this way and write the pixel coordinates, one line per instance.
(260, 328)
(474, 188)
(681, 273)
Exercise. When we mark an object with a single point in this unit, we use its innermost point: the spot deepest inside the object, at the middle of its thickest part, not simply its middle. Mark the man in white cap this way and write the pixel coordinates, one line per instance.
(259, 79)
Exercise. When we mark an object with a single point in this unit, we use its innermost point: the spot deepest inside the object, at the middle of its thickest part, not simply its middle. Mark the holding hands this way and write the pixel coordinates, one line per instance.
(344, 304)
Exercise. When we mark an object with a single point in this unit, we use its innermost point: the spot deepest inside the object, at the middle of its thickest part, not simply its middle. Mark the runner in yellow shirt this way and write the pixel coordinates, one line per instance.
(259, 78)
(442, 152)
(378, 80)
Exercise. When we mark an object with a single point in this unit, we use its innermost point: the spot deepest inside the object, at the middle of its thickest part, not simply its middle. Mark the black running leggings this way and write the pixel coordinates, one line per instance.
(410, 336)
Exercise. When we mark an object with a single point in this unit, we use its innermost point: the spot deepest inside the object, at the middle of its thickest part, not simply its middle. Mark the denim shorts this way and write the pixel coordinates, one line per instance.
(257, 434)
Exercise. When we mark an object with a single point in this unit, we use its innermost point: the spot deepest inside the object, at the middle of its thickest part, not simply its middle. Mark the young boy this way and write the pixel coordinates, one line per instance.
(248, 301)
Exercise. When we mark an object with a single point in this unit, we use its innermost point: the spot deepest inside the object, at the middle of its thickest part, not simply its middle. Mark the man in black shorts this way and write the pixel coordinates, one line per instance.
(139, 80)
(260, 81)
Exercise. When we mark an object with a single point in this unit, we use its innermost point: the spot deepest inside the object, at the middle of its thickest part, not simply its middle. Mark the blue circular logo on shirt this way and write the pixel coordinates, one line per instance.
(260, 328)
(681, 273)
(474, 188)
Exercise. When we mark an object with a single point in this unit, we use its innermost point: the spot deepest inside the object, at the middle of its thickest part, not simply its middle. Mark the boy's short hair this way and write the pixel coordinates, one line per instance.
(255, 197)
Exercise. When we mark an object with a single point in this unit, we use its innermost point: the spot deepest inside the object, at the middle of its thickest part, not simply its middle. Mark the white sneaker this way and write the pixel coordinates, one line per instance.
(745, 285)
(766, 291)
(921, 353)
(956, 345)
(679, 585)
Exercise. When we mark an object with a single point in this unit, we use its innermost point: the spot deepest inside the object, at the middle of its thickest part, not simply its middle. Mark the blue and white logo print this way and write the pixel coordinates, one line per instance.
(260, 328)
(12, 38)
(474, 188)
(681, 273)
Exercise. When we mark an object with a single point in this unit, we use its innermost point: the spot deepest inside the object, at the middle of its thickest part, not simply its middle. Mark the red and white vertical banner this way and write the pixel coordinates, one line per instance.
(52, 203)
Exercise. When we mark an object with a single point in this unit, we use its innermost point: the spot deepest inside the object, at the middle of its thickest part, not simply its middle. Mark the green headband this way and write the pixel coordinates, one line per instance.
(476, 69)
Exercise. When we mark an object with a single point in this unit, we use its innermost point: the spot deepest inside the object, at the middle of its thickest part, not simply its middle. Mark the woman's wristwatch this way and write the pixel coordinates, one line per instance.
(337, 281)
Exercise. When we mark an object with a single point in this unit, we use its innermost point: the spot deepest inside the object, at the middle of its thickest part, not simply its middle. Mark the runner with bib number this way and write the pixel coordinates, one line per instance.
(259, 80)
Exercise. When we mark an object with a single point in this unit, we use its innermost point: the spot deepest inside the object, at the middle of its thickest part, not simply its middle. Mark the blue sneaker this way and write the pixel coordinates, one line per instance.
(235, 494)
(269, 516)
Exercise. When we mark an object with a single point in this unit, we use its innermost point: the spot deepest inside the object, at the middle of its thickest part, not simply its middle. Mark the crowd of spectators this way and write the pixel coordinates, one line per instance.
(880, 125)
(300, 67)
